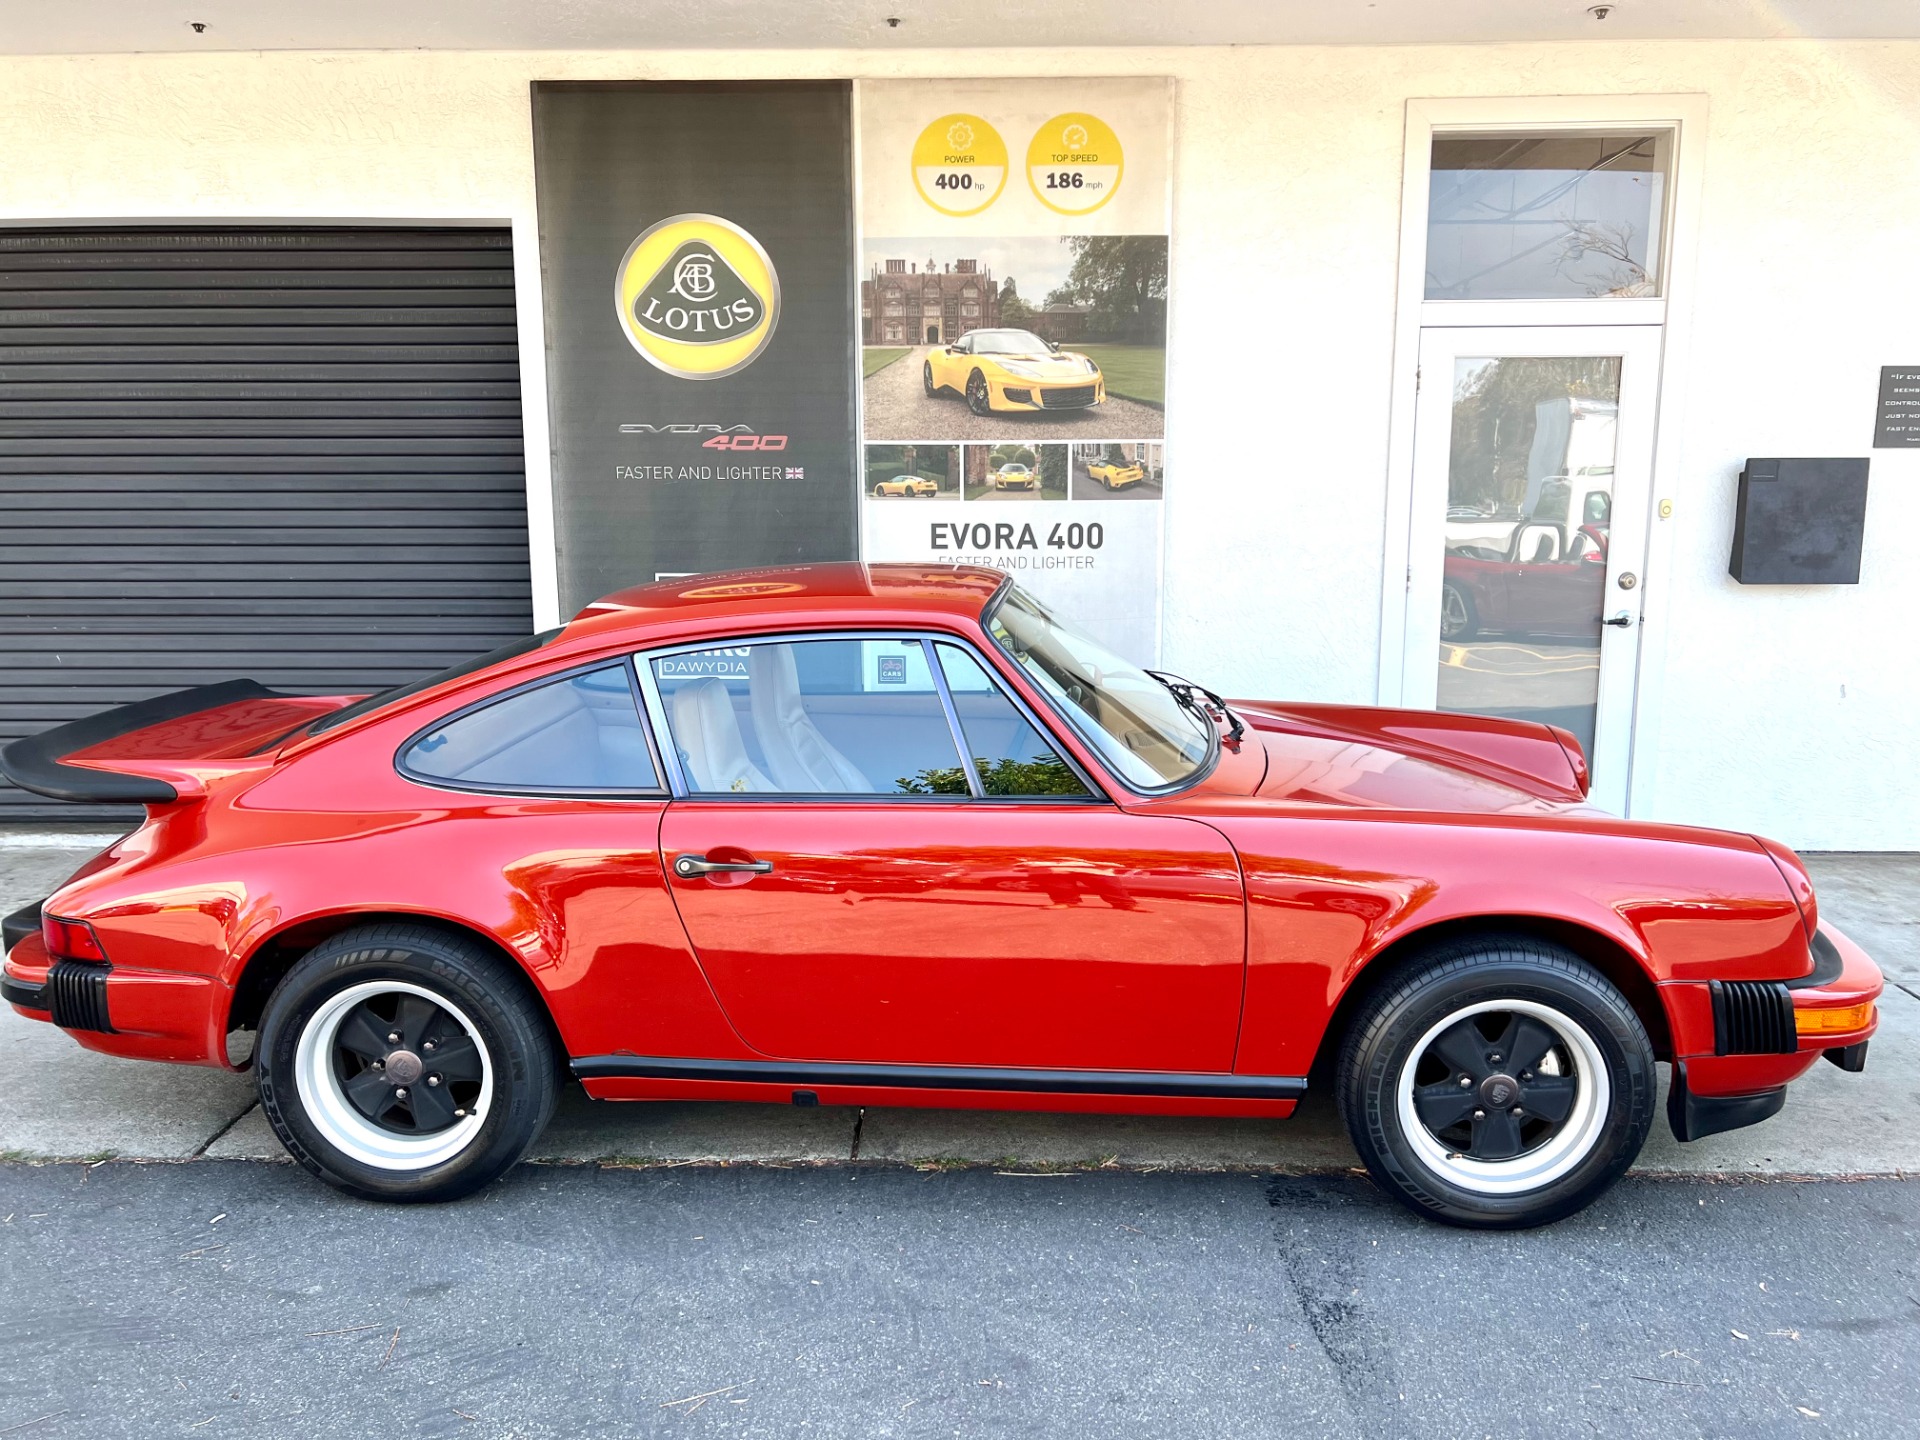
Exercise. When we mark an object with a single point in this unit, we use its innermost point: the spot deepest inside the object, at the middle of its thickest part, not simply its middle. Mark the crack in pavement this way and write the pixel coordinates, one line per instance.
(214, 1138)
(1326, 1281)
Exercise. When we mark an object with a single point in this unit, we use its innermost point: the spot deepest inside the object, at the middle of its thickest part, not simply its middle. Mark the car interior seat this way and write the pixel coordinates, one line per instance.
(801, 758)
(712, 749)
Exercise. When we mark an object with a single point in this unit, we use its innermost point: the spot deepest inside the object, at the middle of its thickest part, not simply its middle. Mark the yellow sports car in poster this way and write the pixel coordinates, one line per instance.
(913, 487)
(1117, 474)
(998, 371)
(1013, 476)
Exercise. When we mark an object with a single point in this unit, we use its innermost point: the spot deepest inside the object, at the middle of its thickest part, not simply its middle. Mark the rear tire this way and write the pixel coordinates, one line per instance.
(400, 1062)
(926, 379)
(1497, 1082)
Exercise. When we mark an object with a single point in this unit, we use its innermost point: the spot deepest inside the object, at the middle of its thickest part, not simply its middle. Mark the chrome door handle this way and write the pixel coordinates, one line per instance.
(1623, 619)
(691, 865)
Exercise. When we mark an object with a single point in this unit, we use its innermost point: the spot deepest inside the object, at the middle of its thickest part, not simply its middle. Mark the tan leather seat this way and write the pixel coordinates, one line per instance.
(802, 759)
(712, 750)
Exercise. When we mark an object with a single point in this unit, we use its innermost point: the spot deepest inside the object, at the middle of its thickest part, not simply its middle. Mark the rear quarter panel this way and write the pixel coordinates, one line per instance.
(573, 890)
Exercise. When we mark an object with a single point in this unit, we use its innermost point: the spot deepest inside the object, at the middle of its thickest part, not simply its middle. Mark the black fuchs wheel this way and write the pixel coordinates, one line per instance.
(400, 1062)
(1497, 1082)
(978, 400)
(926, 378)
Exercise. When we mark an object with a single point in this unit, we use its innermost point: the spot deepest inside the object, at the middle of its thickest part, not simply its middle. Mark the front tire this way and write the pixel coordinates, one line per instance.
(400, 1062)
(979, 399)
(1497, 1083)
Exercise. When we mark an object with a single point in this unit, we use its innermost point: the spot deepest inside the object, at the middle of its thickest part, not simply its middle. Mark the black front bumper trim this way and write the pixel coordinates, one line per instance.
(1694, 1117)
(1850, 1058)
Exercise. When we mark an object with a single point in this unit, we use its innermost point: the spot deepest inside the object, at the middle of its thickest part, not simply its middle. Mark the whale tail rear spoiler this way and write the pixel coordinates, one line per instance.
(157, 751)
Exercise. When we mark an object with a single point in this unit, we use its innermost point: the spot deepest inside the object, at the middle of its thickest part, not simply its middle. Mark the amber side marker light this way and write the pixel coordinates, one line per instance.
(70, 939)
(1840, 1021)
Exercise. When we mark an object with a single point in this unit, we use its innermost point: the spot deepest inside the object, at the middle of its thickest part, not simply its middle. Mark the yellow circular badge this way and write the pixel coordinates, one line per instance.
(697, 296)
(1074, 163)
(960, 164)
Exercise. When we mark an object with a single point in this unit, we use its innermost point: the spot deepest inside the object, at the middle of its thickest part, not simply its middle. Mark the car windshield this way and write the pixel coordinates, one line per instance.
(1008, 342)
(1137, 724)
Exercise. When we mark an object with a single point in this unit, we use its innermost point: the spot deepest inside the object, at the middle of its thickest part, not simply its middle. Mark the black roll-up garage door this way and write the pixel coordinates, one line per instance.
(292, 455)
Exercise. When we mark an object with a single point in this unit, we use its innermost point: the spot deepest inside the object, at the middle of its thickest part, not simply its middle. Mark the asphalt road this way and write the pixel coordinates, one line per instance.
(897, 408)
(236, 1299)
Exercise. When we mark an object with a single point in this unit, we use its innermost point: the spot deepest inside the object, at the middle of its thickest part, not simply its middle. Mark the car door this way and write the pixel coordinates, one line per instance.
(855, 893)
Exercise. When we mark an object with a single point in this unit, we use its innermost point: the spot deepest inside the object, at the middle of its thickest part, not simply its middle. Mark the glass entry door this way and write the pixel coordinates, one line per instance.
(1533, 451)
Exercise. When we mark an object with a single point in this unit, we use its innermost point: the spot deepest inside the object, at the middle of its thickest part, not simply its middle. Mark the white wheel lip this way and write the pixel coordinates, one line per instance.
(1540, 1167)
(345, 1128)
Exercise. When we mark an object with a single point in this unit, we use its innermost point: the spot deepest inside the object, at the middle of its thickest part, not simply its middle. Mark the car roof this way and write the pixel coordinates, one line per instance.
(778, 592)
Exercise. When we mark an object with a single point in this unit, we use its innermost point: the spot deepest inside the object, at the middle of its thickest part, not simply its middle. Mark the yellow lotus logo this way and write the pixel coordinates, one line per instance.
(697, 296)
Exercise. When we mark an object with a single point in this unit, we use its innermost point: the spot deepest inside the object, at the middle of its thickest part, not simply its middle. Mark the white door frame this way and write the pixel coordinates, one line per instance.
(1685, 117)
(1638, 347)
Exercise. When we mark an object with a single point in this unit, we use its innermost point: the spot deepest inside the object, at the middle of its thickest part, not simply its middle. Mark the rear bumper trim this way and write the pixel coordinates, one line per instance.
(26, 996)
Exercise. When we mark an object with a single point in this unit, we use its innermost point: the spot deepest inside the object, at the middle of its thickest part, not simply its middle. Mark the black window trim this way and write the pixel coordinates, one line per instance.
(1172, 787)
(657, 713)
(621, 659)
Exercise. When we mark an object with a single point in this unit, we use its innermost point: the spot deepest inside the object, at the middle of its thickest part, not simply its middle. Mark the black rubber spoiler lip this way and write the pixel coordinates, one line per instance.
(35, 762)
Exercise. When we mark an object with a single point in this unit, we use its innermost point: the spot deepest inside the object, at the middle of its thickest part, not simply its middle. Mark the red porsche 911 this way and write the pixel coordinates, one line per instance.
(896, 835)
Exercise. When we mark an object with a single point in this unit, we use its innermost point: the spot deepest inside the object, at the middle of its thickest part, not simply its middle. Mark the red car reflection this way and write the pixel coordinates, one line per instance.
(1539, 588)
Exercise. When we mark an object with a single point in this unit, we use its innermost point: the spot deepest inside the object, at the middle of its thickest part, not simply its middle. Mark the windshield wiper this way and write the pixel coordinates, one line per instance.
(1184, 692)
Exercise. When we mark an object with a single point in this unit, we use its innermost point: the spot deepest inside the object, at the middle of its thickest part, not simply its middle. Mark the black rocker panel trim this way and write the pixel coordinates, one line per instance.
(1170, 1083)
(34, 762)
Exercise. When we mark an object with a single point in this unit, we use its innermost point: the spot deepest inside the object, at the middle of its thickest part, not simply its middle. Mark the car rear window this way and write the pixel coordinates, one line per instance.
(577, 733)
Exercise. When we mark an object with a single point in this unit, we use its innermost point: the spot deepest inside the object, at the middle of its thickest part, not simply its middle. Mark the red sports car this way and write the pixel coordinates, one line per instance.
(898, 836)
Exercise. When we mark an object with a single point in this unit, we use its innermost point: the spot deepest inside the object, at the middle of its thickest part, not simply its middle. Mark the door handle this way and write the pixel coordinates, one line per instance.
(689, 866)
(1623, 619)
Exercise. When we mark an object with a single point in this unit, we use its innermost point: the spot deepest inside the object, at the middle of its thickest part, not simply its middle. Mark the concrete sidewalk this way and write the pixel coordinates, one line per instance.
(58, 1101)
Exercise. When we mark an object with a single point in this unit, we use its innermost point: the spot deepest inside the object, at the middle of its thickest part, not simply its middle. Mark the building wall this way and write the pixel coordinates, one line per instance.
(1791, 712)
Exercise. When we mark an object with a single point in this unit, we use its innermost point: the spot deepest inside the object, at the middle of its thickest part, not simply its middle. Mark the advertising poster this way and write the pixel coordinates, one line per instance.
(1013, 329)
(695, 243)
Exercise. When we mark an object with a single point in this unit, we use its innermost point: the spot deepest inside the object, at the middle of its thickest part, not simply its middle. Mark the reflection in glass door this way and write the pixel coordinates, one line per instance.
(1529, 502)
(1532, 467)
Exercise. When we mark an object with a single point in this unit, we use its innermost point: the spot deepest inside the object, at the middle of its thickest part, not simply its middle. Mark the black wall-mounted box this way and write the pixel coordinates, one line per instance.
(1799, 522)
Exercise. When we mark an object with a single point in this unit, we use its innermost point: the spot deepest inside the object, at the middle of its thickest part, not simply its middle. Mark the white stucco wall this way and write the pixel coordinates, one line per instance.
(1792, 712)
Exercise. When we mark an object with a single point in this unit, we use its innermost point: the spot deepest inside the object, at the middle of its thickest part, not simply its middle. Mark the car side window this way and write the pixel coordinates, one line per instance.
(809, 717)
(1013, 759)
(579, 733)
